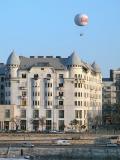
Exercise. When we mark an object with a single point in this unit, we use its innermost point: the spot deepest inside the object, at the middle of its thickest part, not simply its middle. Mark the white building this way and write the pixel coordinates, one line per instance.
(57, 90)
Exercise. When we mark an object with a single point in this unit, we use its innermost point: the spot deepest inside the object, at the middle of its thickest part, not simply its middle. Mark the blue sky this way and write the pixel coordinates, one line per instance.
(46, 27)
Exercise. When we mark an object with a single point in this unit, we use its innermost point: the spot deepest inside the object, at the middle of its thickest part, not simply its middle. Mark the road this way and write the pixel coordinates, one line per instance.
(41, 145)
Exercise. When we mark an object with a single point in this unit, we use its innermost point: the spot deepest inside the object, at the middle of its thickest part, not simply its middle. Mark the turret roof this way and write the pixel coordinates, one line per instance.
(13, 59)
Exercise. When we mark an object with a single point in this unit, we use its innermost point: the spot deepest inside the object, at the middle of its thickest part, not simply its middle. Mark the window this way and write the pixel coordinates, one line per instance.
(61, 113)
(81, 103)
(61, 103)
(49, 103)
(35, 76)
(75, 94)
(75, 103)
(80, 75)
(49, 85)
(23, 124)
(78, 94)
(9, 84)
(117, 76)
(9, 93)
(61, 94)
(48, 75)
(48, 124)
(9, 75)
(75, 85)
(60, 84)
(84, 94)
(35, 103)
(78, 113)
(75, 75)
(2, 87)
(23, 113)
(80, 85)
(24, 93)
(36, 114)
(49, 94)
(61, 76)
(23, 75)
(35, 125)
(2, 95)
(48, 113)
(2, 79)
(61, 125)
(6, 125)
(7, 113)
(24, 103)
(2, 102)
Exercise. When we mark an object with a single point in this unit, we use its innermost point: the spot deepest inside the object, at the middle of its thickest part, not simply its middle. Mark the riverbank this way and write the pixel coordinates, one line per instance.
(66, 153)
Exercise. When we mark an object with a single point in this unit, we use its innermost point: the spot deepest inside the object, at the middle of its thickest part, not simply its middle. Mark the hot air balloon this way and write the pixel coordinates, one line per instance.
(81, 20)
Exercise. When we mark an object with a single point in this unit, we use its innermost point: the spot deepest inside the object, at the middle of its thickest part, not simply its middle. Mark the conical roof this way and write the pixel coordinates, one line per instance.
(74, 59)
(96, 67)
(13, 59)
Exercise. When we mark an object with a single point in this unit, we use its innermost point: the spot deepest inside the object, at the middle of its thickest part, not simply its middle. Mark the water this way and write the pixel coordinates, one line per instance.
(12, 159)
(58, 158)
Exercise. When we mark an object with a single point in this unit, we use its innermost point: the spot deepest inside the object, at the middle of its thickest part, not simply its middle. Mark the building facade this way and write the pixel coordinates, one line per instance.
(111, 94)
(51, 92)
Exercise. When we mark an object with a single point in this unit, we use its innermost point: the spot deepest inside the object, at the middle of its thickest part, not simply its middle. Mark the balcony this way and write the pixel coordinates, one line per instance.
(80, 80)
(23, 97)
(23, 88)
(48, 107)
(59, 107)
(60, 88)
(48, 78)
(60, 97)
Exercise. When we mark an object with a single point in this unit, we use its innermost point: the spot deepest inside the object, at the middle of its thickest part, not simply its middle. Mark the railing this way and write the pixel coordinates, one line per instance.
(22, 87)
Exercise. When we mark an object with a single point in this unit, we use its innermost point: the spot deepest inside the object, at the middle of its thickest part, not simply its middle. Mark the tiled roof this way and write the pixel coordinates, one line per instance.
(57, 63)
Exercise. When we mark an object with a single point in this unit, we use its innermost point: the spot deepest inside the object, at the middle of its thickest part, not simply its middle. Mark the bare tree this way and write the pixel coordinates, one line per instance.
(74, 123)
(16, 120)
(42, 122)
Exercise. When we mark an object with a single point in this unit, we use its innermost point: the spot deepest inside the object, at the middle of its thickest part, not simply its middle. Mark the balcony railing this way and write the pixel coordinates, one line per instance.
(23, 88)
(59, 107)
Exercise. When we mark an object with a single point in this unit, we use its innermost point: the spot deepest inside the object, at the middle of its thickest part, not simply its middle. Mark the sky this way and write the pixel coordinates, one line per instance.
(47, 28)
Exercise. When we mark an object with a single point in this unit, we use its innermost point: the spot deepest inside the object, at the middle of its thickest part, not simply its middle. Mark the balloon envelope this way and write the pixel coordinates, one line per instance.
(81, 19)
